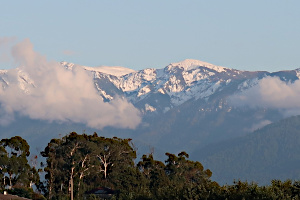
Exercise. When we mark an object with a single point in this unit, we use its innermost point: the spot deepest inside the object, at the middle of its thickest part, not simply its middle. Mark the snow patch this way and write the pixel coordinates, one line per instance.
(103, 93)
(149, 74)
(67, 65)
(25, 83)
(228, 81)
(160, 90)
(149, 108)
(144, 91)
(112, 70)
(248, 84)
(189, 64)
(174, 85)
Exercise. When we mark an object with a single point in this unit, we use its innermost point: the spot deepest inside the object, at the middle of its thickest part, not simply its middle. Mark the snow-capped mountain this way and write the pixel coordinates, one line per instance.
(189, 103)
(185, 106)
(190, 97)
(174, 85)
(158, 91)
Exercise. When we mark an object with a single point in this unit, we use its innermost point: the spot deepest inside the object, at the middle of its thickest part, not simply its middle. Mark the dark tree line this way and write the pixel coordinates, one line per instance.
(78, 163)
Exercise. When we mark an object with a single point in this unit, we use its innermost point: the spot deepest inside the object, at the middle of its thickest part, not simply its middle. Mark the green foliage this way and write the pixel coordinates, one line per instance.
(80, 163)
(16, 174)
(87, 162)
(109, 162)
(15, 170)
(175, 180)
(285, 190)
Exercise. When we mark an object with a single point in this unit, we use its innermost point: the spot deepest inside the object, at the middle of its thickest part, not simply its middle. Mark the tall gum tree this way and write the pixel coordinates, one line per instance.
(15, 168)
(86, 159)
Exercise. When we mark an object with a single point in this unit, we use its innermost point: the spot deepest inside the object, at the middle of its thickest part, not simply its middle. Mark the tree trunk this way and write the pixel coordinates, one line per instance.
(4, 180)
(10, 182)
(72, 171)
(71, 187)
(71, 183)
(105, 163)
(51, 181)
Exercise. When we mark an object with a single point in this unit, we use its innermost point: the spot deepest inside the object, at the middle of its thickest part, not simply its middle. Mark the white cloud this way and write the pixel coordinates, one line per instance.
(58, 94)
(271, 92)
(258, 125)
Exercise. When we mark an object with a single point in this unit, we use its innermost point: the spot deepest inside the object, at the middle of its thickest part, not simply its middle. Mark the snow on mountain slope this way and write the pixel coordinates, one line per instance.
(177, 83)
(112, 70)
(189, 64)
(187, 97)
(180, 81)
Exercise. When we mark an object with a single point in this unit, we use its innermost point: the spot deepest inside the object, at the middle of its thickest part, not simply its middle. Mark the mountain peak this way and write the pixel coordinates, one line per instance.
(189, 64)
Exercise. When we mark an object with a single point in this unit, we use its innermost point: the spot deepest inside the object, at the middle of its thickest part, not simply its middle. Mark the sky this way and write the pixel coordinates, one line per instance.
(245, 35)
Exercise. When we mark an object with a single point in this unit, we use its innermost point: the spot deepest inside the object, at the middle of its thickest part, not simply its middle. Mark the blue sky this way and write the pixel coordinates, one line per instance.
(246, 35)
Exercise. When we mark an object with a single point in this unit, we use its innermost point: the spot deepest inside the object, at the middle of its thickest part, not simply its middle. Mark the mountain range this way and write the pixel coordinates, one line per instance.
(189, 105)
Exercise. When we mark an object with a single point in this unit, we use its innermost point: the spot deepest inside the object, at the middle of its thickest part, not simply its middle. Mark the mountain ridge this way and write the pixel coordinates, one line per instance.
(181, 107)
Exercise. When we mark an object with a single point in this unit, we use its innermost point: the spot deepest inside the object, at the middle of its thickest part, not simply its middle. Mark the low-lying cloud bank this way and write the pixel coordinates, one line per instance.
(51, 92)
(271, 92)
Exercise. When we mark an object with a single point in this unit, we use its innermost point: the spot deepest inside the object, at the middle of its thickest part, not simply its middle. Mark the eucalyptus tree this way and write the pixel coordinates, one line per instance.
(67, 159)
(154, 172)
(3, 166)
(186, 171)
(77, 162)
(14, 164)
(113, 154)
(183, 175)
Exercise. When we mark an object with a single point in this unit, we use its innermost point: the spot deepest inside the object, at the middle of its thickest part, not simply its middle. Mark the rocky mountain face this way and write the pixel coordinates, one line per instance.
(174, 85)
(184, 106)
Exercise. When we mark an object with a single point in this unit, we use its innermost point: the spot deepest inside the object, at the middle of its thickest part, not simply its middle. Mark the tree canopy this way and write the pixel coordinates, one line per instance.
(78, 163)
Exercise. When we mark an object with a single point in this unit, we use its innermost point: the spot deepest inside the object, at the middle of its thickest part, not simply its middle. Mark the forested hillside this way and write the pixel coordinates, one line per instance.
(268, 153)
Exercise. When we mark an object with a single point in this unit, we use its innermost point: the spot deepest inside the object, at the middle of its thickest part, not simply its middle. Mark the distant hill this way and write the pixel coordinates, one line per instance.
(272, 152)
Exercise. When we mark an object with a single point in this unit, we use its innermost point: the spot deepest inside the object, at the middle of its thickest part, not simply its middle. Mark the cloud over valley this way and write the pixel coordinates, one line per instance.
(42, 89)
(271, 92)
